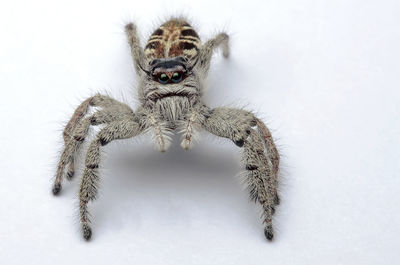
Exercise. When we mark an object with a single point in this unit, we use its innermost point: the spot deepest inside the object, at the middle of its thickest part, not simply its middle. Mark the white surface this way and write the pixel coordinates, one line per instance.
(323, 74)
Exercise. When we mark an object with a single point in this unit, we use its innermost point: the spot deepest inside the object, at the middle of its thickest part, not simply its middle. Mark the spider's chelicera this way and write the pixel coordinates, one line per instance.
(170, 69)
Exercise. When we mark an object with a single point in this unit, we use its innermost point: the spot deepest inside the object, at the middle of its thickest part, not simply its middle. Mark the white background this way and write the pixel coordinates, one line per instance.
(324, 75)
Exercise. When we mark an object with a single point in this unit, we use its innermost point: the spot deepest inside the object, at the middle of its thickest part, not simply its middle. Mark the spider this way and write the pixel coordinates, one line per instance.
(170, 72)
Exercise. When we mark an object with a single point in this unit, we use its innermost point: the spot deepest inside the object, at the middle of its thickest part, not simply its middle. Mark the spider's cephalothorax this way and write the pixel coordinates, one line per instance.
(170, 69)
(170, 85)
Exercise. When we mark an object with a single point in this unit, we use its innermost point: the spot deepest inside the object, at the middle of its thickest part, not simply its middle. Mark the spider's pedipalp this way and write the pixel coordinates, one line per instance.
(190, 126)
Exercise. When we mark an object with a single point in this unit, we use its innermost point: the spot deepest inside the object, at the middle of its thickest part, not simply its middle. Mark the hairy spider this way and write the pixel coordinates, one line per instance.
(170, 69)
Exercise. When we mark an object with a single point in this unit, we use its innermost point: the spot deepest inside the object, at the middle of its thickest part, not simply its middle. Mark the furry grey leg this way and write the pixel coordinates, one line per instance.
(77, 128)
(207, 50)
(259, 178)
(88, 190)
(67, 135)
(235, 124)
(76, 117)
(230, 123)
(261, 167)
(68, 155)
(136, 48)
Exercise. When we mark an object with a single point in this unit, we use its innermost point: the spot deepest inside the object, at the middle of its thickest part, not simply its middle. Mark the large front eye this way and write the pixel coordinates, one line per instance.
(163, 79)
(176, 77)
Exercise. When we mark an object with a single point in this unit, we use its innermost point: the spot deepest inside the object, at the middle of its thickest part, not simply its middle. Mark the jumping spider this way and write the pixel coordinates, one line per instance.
(170, 69)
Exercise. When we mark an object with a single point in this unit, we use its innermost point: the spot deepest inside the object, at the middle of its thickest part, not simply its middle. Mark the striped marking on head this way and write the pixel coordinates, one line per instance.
(173, 38)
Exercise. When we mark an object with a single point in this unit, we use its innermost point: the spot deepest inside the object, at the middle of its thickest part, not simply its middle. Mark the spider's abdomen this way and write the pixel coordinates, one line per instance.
(173, 38)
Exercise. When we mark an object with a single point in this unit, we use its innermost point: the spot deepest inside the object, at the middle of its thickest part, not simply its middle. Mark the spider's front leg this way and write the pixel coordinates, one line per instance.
(121, 129)
(77, 128)
(261, 167)
(136, 48)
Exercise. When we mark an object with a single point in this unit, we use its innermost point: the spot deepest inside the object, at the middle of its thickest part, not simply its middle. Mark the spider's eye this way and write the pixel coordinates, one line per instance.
(176, 77)
(163, 79)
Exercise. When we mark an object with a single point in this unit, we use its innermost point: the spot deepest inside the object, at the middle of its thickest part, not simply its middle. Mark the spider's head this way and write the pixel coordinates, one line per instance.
(168, 77)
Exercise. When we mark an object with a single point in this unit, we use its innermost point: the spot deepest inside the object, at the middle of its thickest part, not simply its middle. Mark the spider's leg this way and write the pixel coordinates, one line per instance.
(260, 178)
(78, 115)
(67, 156)
(77, 129)
(207, 50)
(67, 134)
(122, 129)
(236, 124)
(136, 48)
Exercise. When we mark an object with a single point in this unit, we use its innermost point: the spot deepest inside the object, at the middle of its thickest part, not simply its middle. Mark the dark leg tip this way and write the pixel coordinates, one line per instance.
(269, 234)
(56, 188)
(87, 232)
(239, 143)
